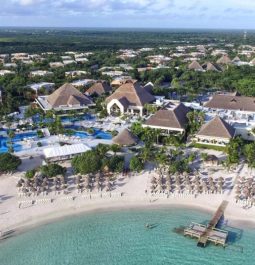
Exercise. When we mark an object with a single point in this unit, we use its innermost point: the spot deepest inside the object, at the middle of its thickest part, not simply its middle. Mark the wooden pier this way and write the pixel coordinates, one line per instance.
(209, 233)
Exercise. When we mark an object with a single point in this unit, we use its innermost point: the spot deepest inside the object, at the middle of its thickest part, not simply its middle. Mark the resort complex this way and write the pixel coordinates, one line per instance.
(153, 119)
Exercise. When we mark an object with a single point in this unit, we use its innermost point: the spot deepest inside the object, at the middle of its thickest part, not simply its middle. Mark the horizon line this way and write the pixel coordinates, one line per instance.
(130, 28)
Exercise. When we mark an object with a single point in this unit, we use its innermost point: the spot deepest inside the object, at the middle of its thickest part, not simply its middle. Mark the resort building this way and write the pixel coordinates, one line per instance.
(6, 72)
(195, 66)
(232, 102)
(129, 98)
(40, 73)
(99, 88)
(211, 67)
(237, 110)
(215, 132)
(172, 119)
(125, 138)
(224, 60)
(66, 152)
(75, 73)
(65, 98)
(56, 64)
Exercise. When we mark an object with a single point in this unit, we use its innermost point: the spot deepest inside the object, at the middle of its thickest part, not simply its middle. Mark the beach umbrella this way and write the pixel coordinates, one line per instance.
(153, 180)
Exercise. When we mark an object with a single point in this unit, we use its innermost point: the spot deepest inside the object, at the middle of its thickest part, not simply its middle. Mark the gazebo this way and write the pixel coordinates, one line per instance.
(125, 138)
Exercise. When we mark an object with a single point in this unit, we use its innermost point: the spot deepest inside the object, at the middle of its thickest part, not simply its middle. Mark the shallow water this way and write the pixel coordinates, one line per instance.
(120, 237)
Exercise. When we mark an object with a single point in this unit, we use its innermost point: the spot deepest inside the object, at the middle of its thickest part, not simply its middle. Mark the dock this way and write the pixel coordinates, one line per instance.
(209, 233)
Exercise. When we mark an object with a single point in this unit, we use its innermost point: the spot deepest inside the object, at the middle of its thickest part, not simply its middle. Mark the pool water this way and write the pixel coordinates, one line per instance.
(15, 141)
(98, 134)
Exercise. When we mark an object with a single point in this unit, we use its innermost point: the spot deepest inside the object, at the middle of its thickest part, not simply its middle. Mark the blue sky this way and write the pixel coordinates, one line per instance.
(239, 14)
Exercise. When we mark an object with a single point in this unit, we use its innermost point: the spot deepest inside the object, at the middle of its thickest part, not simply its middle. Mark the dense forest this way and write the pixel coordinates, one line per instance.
(42, 40)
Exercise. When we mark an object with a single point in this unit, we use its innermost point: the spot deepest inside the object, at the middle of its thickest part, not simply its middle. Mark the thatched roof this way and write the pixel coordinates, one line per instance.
(133, 93)
(211, 67)
(217, 127)
(230, 102)
(195, 66)
(236, 60)
(224, 60)
(170, 118)
(68, 95)
(99, 88)
(125, 138)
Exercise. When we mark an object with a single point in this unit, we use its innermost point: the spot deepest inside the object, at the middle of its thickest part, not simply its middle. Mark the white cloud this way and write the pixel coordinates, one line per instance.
(188, 12)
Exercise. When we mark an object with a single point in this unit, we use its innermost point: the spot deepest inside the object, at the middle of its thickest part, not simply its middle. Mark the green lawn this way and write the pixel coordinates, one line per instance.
(208, 146)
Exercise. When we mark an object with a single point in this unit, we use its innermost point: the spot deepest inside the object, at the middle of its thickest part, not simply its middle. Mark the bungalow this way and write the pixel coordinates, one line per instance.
(129, 98)
(195, 66)
(6, 72)
(56, 64)
(215, 132)
(99, 88)
(40, 73)
(172, 119)
(224, 60)
(65, 98)
(75, 73)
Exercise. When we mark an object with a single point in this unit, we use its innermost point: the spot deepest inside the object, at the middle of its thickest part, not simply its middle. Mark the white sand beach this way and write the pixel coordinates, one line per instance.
(133, 190)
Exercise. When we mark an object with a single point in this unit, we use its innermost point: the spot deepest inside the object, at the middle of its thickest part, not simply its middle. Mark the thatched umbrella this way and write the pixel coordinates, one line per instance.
(98, 186)
(237, 198)
(77, 180)
(109, 186)
(153, 180)
(160, 181)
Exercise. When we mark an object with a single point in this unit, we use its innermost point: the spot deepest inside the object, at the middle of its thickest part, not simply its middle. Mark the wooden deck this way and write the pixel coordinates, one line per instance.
(209, 233)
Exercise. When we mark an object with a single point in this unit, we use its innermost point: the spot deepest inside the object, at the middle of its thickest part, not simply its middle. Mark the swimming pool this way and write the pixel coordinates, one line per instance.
(98, 134)
(15, 141)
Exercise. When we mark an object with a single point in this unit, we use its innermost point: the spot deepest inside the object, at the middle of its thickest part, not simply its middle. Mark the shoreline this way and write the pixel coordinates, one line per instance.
(58, 216)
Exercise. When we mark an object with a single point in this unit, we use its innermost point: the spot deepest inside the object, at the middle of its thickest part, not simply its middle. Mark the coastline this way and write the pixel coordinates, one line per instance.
(60, 215)
(134, 197)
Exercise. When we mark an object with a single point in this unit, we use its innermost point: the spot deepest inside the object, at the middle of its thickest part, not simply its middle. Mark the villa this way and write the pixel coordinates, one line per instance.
(224, 60)
(65, 98)
(172, 119)
(99, 88)
(75, 73)
(129, 98)
(215, 132)
(6, 72)
(40, 73)
(196, 66)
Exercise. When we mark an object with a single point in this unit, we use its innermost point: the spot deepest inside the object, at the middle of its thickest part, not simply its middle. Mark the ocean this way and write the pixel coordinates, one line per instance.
(121, 238)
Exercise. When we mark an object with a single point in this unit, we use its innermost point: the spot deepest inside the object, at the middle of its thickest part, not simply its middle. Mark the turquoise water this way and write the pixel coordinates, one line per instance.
(15, 141)
(98, 134)
(120, 238)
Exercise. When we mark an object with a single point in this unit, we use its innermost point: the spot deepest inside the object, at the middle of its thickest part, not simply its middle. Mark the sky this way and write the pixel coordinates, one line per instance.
(221, 14)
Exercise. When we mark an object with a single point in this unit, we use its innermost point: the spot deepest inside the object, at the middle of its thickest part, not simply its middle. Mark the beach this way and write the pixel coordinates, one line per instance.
(133, 196)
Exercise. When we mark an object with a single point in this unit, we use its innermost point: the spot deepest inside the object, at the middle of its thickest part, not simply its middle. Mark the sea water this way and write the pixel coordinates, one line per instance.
(121, 238)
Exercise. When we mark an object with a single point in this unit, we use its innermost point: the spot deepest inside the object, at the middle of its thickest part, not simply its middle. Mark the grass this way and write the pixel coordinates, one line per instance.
(208, 146)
